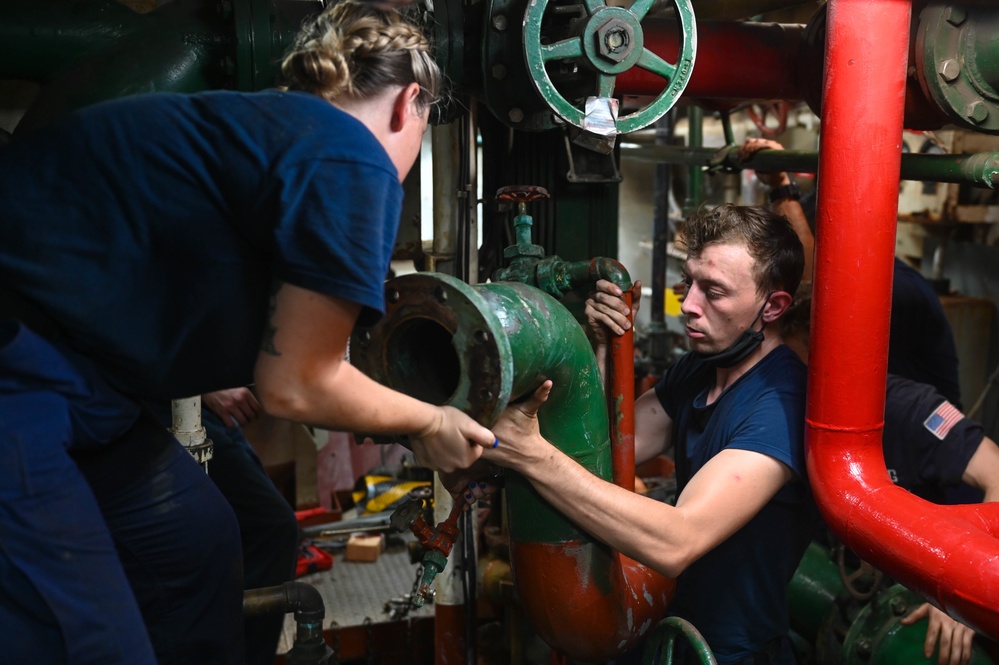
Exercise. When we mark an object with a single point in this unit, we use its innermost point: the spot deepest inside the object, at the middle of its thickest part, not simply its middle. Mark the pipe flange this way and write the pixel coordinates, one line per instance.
(439, 342)
(956, 58)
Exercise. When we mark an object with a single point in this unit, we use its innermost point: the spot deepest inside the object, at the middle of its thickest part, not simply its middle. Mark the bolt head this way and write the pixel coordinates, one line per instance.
(499, 22)
(499, 71)
(515, 114)
(949, 69)
(955, 14)
(977, 111)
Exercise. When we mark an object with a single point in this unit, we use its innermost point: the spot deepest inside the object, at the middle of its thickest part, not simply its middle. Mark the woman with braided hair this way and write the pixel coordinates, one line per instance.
(167, 245)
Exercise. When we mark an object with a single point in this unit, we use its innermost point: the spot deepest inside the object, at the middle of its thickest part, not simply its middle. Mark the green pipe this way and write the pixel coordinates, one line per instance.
(547, 342)
(659, 645)
(39, 40)
(979, 169)
(479, 347)
(813, 591)
(88, 51)
(695, 139)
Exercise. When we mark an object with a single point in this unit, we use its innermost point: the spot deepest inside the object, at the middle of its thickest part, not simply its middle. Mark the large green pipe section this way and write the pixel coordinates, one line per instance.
(477, 348)
(87, 51)
(979, 169)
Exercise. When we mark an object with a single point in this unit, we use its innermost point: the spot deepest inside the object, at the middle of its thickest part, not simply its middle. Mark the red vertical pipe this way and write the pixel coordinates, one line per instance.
(621, 402)
(950, 556)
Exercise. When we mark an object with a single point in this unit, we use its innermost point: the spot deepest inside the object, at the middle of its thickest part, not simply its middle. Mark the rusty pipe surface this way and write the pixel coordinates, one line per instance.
(947, 554)
(621, 402)
(477, 348)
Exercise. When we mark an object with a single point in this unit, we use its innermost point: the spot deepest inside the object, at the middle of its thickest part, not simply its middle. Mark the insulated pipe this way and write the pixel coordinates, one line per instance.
(476, 348)
(949, 555)
(186, 427)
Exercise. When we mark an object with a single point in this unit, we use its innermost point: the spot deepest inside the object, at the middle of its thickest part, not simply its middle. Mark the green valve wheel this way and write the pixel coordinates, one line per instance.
(609, 40)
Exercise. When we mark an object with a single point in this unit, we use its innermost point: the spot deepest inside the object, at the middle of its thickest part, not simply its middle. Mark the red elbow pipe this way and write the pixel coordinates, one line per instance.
(949, 555)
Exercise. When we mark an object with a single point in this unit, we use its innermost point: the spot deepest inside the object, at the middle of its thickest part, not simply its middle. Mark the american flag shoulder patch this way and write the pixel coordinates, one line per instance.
(943, 418)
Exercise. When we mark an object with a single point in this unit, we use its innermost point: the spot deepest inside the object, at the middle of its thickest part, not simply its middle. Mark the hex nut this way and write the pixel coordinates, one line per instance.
(977, 111)
(949, 69)
(615, 40)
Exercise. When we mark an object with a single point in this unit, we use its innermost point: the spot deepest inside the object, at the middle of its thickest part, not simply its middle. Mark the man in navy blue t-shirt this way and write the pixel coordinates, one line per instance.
(733, 411)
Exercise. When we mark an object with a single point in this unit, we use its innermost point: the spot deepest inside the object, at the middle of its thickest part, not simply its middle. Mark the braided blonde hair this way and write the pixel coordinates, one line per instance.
(357, 50)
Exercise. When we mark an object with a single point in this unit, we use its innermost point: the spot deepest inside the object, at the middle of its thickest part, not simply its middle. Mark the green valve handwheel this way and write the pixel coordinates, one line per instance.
(610, 41)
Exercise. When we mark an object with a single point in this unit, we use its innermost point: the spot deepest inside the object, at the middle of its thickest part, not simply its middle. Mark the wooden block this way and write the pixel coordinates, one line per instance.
(364, 547)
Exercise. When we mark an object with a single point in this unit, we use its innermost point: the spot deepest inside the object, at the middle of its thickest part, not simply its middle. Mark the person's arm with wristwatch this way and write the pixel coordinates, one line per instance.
(785, 198)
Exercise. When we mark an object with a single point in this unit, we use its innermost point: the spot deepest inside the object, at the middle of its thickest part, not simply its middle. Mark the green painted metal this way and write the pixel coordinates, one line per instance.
(479, 347)
(659, 645)
(958, 58)
(87, 51)
(609, 41)
(40, 40)
(977, 169)
(813, 591)
(695, 180)
(877, 638)
(547, 342)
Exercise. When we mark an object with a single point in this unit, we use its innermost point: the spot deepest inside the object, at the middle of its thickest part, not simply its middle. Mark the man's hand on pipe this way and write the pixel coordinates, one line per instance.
(453, 441)
(751, 146)
(955, 638)
(520, 443)
(605, 310)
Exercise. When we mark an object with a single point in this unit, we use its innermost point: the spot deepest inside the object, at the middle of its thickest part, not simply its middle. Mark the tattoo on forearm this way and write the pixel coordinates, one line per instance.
(270, 330)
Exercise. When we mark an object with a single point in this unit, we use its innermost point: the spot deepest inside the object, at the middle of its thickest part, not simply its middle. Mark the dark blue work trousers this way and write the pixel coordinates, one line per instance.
(115, 547)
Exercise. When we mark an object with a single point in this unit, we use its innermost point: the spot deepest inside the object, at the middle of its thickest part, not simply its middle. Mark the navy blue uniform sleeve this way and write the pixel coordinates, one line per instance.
(336, 229)
(927, 441)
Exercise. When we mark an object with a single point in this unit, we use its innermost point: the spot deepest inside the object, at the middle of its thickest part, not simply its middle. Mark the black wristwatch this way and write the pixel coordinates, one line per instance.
(785, 192)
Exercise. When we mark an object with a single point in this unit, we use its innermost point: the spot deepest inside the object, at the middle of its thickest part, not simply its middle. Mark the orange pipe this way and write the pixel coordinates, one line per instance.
(950, 555)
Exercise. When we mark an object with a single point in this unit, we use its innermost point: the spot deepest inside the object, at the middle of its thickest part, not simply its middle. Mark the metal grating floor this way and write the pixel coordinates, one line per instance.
(354, 591)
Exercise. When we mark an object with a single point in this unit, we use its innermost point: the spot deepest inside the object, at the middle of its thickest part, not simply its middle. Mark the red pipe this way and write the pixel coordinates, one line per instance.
(743, 61)
(621, 403)
(949, 555)
(736, 61)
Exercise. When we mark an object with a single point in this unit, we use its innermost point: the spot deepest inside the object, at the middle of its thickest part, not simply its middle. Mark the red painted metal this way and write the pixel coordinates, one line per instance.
(950, 555)
(744, 61)
(621, 404)
(449, 635)
(736, 61)
(589, 603)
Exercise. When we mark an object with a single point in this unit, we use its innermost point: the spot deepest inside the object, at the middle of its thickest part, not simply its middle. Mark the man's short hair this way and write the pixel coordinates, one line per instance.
(778, 256)
(797, 320)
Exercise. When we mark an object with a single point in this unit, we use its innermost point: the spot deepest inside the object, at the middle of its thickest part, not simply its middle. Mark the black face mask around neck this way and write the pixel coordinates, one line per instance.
(740, 349)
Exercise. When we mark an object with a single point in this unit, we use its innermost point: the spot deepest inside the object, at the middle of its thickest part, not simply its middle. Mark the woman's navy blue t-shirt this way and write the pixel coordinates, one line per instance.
(151, 229)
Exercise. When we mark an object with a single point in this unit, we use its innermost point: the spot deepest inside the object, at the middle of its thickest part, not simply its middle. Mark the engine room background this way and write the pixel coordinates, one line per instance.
(758, 71)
